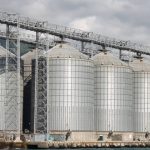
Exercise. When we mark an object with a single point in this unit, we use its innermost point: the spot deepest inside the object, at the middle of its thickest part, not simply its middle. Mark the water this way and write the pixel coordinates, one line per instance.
(90, 149)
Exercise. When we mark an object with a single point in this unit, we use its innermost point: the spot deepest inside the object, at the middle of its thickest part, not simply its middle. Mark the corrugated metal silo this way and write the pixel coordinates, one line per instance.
(8, 97)
(113, 94)
(141, 95)
(70, 86)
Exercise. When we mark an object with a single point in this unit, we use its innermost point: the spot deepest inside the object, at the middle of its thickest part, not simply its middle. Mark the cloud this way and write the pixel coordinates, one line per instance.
(125, 19)
(85, 24)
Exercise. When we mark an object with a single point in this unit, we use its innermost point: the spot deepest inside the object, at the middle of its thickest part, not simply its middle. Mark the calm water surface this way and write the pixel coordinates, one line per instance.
(91, 149)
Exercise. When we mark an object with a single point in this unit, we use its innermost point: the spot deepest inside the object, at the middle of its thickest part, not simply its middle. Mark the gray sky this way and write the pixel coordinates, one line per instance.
(125, 19)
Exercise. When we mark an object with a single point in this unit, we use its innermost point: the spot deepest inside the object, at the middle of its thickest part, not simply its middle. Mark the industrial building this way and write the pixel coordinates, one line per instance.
(8, 97)
(113, 94)
(90, 97)
(141, 94)
(66, 93)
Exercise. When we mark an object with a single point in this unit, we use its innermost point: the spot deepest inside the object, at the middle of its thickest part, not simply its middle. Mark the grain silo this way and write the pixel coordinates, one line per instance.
(70, 92)
(8, 96)
(113, 97)
(141, 96)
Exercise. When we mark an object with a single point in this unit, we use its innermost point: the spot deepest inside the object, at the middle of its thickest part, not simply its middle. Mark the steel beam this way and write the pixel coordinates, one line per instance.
(70, 33)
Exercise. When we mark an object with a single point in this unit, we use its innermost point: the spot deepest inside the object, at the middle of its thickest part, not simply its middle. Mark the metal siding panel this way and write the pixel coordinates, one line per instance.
(141, 101)
(76, 94)
(113, 99)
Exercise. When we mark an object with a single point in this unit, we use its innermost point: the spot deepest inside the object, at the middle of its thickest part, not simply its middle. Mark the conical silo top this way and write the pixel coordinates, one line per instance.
(27, 57)
(3, 52)
(140, 65)
(106, 58)
(64, 50)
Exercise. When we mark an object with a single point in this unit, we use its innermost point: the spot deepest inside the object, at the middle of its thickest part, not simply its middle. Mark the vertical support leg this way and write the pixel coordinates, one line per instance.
(7, 45)
(92, 53)
(40, 109)
(36, 84)
(6, 78)
(13, 103)
(19, 102)
(82, 46)
(47, 82)
(120, 54)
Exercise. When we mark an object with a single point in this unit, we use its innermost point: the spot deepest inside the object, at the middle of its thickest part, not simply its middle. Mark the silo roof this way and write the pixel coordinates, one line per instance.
(3, 52)
(106, 58)
(140, 65)
(65, 51)
(29, 56)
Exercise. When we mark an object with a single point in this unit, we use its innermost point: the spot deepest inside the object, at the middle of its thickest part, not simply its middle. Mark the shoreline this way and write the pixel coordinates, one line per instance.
(71, 145)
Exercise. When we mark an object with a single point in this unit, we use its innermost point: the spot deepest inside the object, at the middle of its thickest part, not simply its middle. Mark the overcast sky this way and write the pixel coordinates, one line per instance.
(125, 19)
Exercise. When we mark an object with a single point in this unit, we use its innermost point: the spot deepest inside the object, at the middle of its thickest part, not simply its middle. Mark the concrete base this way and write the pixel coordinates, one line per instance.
(17, 139)
(75, 136)
(116, 136)
(93, 136)
(140, 136)
(83, 136)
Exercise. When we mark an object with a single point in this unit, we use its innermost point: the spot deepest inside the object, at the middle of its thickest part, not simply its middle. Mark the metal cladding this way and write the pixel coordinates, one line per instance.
(141, 95)
(113, 94)
(70, 86)
(8, 98)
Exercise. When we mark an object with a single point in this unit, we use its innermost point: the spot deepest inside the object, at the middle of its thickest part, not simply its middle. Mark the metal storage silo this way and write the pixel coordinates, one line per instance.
(70, 86)
(141, 95)
(113, 94)
(8, 95)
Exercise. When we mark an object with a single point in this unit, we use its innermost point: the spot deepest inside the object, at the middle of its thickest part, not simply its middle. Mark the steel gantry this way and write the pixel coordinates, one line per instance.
(40, 110)
(43, 27)
(13, 100)
(71, 33)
